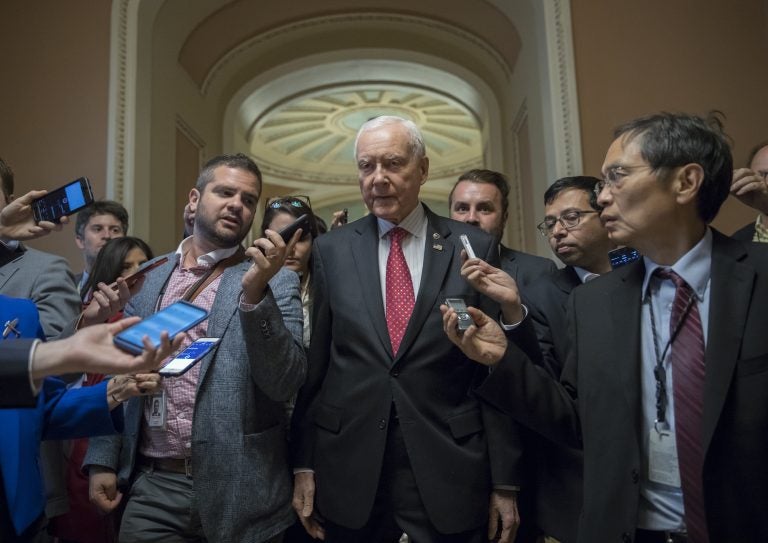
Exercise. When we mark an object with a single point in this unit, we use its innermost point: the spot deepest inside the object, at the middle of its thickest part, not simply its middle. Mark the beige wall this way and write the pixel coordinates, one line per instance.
(53, 97)
(634, 58)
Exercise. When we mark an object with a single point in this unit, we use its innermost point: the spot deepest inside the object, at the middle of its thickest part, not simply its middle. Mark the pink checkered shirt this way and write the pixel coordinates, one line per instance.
(175, 440)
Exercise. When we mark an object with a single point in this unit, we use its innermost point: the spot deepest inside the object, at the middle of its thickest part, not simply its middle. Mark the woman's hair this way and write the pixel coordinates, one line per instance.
(294, 206)
(109, 262)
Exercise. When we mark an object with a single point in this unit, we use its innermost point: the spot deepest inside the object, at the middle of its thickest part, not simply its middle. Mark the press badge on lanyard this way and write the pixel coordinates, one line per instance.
(663, 466)
(157, 410)
(662, 462)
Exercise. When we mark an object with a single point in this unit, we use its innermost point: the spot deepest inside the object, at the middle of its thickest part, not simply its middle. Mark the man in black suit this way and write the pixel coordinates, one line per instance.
(577, 237)
(386, 424)
(481, 198)
(750, 186)
(580, 241)
(644, 389)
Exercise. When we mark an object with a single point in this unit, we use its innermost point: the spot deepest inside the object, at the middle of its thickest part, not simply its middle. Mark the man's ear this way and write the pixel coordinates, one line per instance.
(79, 242)
(424, 169)
(688, 183)
(194, 197)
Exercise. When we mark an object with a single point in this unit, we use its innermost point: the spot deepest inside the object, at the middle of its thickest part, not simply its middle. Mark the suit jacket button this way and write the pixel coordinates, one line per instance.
(626, 538)
(395, 373)
(635, 476)
(382, 424)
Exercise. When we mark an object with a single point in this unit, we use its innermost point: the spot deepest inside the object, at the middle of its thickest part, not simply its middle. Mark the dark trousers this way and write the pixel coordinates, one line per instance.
(398, 507)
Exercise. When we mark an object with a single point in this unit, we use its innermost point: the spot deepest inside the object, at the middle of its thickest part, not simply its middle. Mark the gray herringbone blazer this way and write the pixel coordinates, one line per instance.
(240, 473)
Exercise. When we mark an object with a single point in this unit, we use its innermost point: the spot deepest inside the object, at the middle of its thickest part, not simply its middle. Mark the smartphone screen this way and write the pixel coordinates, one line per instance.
(622, 256)
(66, 200)
(189, 357)
(177, 317)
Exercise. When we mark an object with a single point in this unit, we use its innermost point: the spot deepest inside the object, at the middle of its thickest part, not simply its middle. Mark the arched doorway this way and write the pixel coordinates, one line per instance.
(193, 78)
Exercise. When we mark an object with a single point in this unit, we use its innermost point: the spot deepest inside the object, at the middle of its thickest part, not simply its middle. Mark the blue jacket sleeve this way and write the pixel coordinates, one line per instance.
(79, 412)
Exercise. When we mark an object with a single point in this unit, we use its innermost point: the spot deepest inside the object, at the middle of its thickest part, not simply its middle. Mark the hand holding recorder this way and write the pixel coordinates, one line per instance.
(484, 341)
(493, 282)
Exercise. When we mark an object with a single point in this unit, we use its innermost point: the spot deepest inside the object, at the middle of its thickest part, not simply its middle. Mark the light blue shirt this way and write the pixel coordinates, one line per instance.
(661, 506)
(585, 275)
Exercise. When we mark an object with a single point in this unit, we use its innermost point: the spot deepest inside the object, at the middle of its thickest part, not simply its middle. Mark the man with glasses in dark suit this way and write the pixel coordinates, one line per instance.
(664, 385)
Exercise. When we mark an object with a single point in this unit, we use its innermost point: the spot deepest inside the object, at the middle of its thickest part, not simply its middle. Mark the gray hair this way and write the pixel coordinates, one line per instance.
(415, 139)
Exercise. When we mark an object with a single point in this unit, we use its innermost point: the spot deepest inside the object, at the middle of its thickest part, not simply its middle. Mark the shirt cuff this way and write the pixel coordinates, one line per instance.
(511, 488)
(508, 327)
(244, 306)
(303, 470)
(32, 350)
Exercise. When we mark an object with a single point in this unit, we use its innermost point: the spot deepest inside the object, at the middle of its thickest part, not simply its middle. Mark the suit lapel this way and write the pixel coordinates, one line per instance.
(365, 254)
(436, 264)
(731, 284)
(225, 305)
(566, 279)
(625, 299)
(8, 265)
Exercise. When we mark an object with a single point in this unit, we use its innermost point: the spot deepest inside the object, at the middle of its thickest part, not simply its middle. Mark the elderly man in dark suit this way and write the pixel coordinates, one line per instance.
(481, 198)
(211, 465)
(665, 381)
(386, 425)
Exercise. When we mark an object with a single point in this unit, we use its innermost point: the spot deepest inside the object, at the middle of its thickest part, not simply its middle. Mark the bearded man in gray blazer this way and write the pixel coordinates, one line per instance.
(213, 466)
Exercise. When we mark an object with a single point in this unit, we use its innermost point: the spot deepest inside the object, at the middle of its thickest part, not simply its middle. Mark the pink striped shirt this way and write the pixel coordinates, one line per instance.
(175, 439)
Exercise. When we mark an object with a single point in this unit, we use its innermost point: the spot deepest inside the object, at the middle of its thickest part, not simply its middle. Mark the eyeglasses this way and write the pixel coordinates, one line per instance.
(568, 220)
(614, 176)
(298, 200)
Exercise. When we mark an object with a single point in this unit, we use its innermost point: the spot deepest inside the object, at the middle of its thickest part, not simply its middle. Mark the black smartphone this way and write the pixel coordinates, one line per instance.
(622, 256)
(176, 318)
(65, 200)
(134, 277)
(183, 362)
(287, 232)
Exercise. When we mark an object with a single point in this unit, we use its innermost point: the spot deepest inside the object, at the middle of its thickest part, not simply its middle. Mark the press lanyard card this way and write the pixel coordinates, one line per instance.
(662, 462)
(157, 410)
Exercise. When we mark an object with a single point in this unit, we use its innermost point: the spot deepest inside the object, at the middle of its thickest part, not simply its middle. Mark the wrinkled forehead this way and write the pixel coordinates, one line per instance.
(392, 139)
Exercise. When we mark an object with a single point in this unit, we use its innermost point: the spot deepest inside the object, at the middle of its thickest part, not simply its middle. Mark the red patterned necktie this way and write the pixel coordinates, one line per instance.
(687, 360)
(399, 289)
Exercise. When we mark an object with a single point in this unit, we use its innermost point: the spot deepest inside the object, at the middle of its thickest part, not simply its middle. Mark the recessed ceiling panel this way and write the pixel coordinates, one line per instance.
(311, 137)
